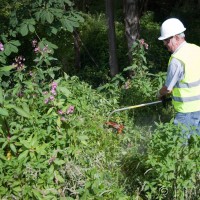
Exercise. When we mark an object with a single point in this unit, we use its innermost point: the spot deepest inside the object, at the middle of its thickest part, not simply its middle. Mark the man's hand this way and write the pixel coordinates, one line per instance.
(163, 92)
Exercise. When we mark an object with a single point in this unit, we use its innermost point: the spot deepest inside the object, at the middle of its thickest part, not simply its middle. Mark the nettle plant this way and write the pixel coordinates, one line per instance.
(52, 137)
(53, 142)
(35, 19)
(31, 122)
(141, 84)
(173, 164)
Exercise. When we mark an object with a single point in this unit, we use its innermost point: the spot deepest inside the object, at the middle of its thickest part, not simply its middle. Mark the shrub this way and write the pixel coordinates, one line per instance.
(173, 164)
(54, 142)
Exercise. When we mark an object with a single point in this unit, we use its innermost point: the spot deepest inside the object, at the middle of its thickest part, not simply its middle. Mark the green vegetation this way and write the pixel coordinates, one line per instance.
(57, 138)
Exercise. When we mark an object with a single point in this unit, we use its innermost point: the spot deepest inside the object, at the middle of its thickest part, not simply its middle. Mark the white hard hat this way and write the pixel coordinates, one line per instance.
(171, 27)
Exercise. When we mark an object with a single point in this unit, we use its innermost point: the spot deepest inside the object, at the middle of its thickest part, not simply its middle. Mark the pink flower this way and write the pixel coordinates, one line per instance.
(1, 47)
(53, 92)
(63, 119)
(31, 73)
(46, 101)
(53, 88)
(54, 85)
(45, 49)
(70, 110)
(127, 85)
(37, 49)
(60, 112)
(45, 92)
(51, 98)
(34, 43)
(146, 46)
(19, 62)
(143, 43)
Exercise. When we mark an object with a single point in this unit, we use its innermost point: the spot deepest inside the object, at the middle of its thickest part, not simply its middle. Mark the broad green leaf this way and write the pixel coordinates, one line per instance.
(26, 107)
(66, 76)
(69, 26)
(51, 169)
(53, 46)
(3, 59)
(64, 91)
(49, 17)
(68, 2)
(41, 149)
(59, 178)
(15, 42)
(13, 33)
(74, 23)
(38, 15)
(56, 12)
(52, 58)
(50, 110)
(13, 48)
(17, 189)
(4, 112)
(66, 24)
(37, 60)
(31, 28)
(7, 68)
(30, 21)
(7, 49)
(49, 129)
(43, 16)
(37, 194)
(24, 29)
(59, 162)
(54, 30)
(47, 61)
(78, 17)
(58, 122)
(16, 183)
(2, 140)
(34, 141)
(23, 155)
(26, 143)
(3, 157)
(4, 144)
(13, 148)
(21, 112)
(83, 139)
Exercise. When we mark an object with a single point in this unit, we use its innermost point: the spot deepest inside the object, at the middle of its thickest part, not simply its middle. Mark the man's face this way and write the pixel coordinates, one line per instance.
(172, 43)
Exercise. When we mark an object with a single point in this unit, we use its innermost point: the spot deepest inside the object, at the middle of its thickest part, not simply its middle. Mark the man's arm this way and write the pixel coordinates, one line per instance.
(175, 73)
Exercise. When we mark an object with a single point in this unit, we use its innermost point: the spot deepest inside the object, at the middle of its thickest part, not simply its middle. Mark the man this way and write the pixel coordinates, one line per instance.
(183, 74)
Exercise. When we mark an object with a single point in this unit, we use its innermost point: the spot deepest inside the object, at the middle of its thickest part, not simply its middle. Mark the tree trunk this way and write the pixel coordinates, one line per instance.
(77, 50)
(114, 69)
(131, 18)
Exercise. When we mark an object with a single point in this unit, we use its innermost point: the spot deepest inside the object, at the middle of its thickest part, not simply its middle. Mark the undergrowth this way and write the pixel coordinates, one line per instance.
(59, 141)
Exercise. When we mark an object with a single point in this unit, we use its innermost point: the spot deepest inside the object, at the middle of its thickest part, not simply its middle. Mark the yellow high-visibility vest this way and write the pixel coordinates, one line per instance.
(186, 93)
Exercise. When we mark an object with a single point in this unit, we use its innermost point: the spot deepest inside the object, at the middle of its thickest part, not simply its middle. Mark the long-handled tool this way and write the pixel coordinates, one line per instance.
(164, 101)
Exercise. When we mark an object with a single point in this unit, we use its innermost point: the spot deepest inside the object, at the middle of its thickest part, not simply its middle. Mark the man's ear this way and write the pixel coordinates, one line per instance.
(178, 37)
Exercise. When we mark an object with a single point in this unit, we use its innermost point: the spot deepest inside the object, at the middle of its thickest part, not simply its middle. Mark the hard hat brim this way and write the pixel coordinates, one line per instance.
(165, 37)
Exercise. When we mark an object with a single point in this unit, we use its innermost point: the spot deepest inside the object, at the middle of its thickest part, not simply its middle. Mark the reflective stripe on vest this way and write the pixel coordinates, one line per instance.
(186, 93)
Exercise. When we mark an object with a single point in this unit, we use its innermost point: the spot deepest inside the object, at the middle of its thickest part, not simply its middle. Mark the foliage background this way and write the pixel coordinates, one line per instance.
(57, 138)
